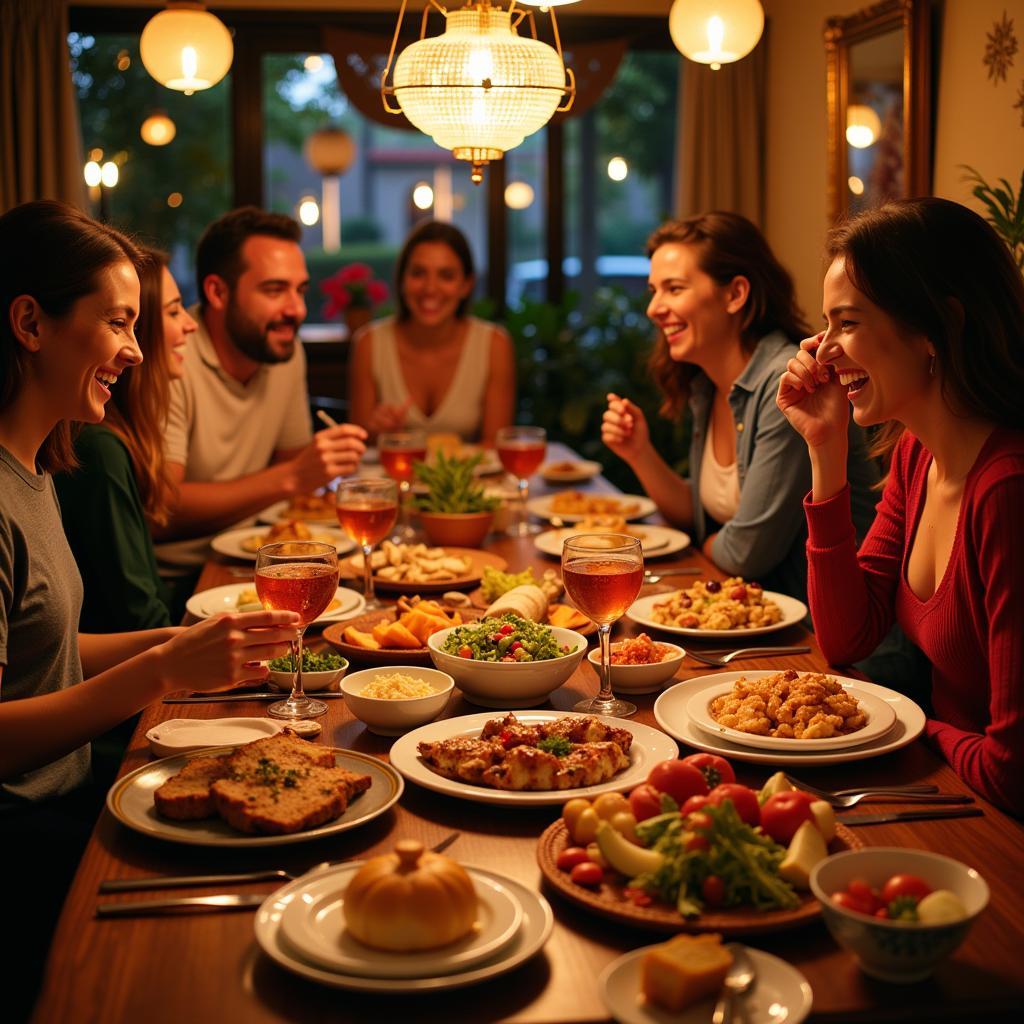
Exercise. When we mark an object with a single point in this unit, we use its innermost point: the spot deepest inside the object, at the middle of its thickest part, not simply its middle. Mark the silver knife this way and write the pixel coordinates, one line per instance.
(219, 698)
(221, 901)
(174, 881)
(852, 820)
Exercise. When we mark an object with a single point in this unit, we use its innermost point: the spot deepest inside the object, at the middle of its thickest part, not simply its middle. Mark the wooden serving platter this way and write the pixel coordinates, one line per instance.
(333, 634)
(349, 569)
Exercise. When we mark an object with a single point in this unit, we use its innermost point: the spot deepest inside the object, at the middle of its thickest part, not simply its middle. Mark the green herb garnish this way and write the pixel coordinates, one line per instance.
(311, 662)
(557, 745)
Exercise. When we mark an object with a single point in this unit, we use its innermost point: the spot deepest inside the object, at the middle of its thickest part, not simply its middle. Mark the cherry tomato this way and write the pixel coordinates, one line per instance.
(678, 779)
(743, 799)
(638, 897)
(514, 646)
(700, 820)
(465, 652)
(587, 873)
(882, 912)
(860, 890)
(570, 857)
(695, 841)
(784, 813)
(904, 885)
(694, 804)
(712, 890)
(715, 769)
(608, 805)
(844, 899)
(645, 802)
(506, 629)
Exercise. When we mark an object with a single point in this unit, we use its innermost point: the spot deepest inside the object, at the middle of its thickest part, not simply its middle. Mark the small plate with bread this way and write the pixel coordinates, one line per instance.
(245, 541)
(655, 541)
(419, 569)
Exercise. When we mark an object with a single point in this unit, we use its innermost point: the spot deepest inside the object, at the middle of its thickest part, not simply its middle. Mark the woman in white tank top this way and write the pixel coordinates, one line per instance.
(431, 366)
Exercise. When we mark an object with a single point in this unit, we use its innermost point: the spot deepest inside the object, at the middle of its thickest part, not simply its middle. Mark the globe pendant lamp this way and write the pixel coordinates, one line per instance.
(479, 88)
(715, 32)
(186, 48)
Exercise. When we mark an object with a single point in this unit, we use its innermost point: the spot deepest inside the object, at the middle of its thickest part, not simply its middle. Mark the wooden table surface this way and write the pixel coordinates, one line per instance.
(207, 967)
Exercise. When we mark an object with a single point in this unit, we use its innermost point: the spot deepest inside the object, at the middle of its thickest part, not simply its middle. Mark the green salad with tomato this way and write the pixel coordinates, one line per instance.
(506, 639)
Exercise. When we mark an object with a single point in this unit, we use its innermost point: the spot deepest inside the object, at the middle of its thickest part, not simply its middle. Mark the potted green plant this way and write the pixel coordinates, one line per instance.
(1005, 209)
(455, 511)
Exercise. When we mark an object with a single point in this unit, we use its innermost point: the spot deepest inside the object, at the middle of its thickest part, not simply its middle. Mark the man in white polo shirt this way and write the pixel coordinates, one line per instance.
(239, 435)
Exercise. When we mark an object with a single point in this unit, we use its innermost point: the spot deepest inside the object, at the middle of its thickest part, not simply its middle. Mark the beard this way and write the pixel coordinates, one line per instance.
(252, 340)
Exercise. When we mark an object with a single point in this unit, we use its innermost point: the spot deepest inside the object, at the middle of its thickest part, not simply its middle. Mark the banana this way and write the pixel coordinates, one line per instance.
(628, 859)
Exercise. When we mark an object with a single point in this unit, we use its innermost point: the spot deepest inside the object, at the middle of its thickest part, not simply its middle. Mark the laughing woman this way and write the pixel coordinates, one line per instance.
(925, 315)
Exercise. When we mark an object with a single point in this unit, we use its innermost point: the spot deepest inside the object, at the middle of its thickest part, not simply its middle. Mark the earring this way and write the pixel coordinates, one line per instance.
(931, 365)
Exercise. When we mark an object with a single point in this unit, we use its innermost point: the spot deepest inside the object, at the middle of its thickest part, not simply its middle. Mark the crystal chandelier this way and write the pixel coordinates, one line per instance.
(479, 88)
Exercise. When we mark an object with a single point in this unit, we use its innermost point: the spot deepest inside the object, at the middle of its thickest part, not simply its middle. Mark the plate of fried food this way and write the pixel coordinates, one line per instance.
(718, 608)
(396, 636)
(276, 790)
(531, 758)
(416, 568)
(573, 506)
(244, 541)
(655, 541)
(318, 507)
(242, 597)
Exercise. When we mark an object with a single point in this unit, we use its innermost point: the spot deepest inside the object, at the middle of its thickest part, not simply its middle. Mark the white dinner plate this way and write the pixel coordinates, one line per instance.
(535, 930)
(671, 714)
(648, 748)
(279, 511)
(881, 716)
(130, 800)
(642, 611)
(230, 542)
(781, 994)
(656, 542)
(569, 471)
(642, 506)
(185, 735)
(225, 599)
(314, 926)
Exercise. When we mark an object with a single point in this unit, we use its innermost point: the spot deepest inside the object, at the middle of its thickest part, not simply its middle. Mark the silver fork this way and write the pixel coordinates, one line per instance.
(720, 661)
(657, 577)
(851, 799)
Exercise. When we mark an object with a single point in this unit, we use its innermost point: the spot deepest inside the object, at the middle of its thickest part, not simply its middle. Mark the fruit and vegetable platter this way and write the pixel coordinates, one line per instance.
(693, 850)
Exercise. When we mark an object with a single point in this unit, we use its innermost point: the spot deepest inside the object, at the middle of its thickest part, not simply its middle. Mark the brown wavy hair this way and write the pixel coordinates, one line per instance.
(137, 410)
(728, 246)
(54, 253)
(939, 270)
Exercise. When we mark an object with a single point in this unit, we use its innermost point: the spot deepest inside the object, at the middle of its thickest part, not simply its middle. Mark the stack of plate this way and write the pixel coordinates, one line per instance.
(683, 712)
(302, 927)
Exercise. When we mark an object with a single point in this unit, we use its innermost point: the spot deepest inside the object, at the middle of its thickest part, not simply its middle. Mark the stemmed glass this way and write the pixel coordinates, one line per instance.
(399, 449)
(602, 573)
(367, 510)
(521, 450)
(297, 576)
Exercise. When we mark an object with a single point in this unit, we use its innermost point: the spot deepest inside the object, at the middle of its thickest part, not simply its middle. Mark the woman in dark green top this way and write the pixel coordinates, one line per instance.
(120, 485)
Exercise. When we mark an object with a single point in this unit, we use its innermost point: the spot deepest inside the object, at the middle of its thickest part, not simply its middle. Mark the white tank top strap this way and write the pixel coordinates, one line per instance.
(719, 486)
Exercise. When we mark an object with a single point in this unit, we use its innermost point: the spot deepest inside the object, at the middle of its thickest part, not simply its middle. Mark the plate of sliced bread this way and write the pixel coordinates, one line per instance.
(276, 790)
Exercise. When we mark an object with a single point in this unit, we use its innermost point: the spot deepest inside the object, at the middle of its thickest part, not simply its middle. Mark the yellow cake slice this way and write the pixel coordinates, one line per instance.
(684, 970)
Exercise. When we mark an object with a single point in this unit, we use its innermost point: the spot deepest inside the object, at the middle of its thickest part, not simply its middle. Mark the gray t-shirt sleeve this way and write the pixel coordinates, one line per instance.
(178, 423)
(6, 585)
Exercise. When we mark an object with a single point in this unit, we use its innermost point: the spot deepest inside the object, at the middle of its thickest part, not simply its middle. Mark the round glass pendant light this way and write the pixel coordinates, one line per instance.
(186, 48)
(158, 129)
(863, 126)
(715, 32)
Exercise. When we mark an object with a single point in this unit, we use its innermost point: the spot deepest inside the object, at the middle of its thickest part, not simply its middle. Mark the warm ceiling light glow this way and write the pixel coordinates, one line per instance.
(479, 88)
(93, 175)
(715, 32)
(186, 47)
(518, 195)
(175, 199)
(330, 151)
(109, 174)
(124, 60)
(309, 211)
(423, 196)
(617, 169)
(96, 155)
(314, 62)
(856, 185)
(863, 126)
(158, 129)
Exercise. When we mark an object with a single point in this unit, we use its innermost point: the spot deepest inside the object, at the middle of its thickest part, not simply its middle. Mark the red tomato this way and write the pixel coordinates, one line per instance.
(638, 897)
(570, 857)
(715, 769)
(844, 899)
(882, 912)
(588, 874)
(712, 889)
(694, 804)
(783, 813)
(695, 841)
(678, 779)
(645, 802)
(904, 885)
(700, 820)
(861, 891)
(743, 799)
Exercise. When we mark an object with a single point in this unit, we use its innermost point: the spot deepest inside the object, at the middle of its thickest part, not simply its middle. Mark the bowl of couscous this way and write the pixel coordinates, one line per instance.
(391, 699)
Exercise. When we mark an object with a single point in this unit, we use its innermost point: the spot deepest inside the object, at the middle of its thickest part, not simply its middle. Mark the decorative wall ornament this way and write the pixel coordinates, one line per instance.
(1000, 48)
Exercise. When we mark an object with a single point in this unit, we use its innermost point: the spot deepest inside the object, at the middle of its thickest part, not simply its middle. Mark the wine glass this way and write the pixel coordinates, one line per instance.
(521, 450)
(399, 449)
(297, 576)
(602, 573)
(367, 510)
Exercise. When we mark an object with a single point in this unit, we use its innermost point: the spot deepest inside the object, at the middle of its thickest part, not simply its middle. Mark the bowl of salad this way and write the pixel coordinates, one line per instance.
(319, 670)
(507, 662)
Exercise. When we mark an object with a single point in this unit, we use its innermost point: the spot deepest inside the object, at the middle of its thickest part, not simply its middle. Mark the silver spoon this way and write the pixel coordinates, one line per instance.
(740, 977)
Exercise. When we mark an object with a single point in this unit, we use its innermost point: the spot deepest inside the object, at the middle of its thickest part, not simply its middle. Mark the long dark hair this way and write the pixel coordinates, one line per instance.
(433, 231)
(728, 246)
(54, 253)
(939, 270)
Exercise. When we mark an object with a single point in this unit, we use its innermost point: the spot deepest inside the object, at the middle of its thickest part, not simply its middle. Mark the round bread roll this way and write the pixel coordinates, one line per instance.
(410, 900)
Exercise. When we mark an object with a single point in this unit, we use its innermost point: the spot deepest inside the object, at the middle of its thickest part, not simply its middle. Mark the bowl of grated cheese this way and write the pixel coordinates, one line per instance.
(390, 699)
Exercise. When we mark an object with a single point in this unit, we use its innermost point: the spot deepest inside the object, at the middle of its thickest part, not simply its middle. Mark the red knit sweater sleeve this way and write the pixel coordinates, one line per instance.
(993, 762)
(851, 594)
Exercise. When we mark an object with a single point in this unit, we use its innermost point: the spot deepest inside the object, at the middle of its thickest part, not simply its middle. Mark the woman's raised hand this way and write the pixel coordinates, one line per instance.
(389, 417)
(811, 397)
(624, 428)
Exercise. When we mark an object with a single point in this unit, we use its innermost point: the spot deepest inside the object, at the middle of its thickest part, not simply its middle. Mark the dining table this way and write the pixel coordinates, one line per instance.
(208, 966)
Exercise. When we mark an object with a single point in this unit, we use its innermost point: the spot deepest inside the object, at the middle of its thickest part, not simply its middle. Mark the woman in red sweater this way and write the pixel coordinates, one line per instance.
(925, 317)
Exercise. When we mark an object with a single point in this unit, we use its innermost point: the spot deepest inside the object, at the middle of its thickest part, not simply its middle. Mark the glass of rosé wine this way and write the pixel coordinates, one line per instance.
(521, 450)
(398, 450)
(297, 576)
(367, 510)
(602, 573)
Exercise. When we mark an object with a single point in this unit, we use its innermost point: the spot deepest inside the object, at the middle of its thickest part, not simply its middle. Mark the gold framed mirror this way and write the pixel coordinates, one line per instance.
(879, 96)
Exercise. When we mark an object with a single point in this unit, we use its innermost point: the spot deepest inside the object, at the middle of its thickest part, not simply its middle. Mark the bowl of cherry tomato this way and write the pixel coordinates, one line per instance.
(900, 912)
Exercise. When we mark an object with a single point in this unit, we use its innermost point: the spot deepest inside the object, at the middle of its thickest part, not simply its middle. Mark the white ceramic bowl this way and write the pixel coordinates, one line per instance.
(392, 717)
(505, 684)
(311, 681)
(900, 951)
(641, 678)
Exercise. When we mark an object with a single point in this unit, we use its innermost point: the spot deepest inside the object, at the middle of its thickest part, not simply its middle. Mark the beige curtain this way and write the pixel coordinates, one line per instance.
(721, 136)
(40, 139)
